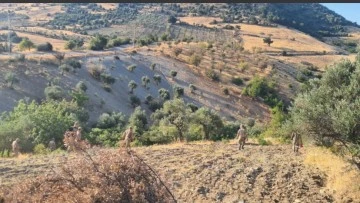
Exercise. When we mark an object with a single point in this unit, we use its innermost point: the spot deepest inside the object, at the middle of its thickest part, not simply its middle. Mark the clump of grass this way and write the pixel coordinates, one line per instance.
(342, 177)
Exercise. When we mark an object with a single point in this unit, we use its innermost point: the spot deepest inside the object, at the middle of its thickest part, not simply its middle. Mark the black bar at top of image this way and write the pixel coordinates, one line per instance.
(179, 1)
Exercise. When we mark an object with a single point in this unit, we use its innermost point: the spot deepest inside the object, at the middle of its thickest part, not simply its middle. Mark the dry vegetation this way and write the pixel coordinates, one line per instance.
(321, 61)
(198, 171)
(342, 177)
(253, 36)
(94, 178)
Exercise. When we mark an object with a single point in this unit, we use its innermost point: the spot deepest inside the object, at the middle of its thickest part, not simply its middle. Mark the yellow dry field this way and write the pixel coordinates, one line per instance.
(108, 6)
(354, 36)
(50, 31)
(201, 20)
(282, 39)
(281, 36)
(58, 45)
(341, 176)
(320, 61)
(40, 13)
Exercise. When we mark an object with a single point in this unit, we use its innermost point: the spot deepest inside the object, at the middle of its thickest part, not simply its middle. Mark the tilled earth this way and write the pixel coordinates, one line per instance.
(212, 172)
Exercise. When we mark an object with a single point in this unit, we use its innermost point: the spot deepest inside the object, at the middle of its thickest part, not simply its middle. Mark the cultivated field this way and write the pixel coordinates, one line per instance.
(219, 172)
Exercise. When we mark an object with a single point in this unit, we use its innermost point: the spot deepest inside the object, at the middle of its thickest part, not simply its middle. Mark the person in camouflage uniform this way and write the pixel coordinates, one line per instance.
(241, 136)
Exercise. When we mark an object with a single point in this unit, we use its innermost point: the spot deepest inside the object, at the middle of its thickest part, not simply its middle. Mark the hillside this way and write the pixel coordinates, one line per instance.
(218, 172)
(306, 57)
(184, 77)
(316, 19)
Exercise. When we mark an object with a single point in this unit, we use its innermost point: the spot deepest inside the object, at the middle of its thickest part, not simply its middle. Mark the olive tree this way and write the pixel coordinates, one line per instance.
(329, 108)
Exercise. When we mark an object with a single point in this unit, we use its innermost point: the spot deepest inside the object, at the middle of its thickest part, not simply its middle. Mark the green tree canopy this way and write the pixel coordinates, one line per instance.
(26, 44)
(330, 107)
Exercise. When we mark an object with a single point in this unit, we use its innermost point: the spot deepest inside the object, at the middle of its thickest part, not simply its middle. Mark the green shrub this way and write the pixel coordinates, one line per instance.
(135, 101)
(131, 68)
(301, 77)
(164, 94)
(212, 75)
(74, 64)
(195, 132)
(178, 91)
(192, 88)
(243, 66)
(157, 79)
(10, 78)
(173, 73)
(192, 106)
(64, 68)
(54, 92)
(98, 42)
(237, 81)
(41, 149)
(263, 142)
(104, 137)
(118, 42)
(79, 97)
(81, 86)
(47, 47)
(195, 60)
(154, 105)
(95, 72)
(153, 66)
(106, 87)
(107, 78)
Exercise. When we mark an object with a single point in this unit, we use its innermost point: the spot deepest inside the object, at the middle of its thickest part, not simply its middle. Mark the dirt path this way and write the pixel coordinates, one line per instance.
(212, 172)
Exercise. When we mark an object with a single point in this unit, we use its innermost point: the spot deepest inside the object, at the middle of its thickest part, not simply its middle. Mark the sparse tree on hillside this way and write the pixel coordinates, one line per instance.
(46, 47)
(26, 44)
(173, 74)
(59, 56)
(192, 88)
(131, 68)
(195, 60)
(98, 43)
(79, 97)
(80, 86)
(54, 92)
(134, 101)
(267, 40)
(172, 19)
(153, 66)
(70, 45)
(139, 121)
(164, 94)
(132, 85)
(157, 79)
(11, 78)
(64, 68)
(210, 122)
(178, 91)
(177, 51)
(145, 81)
(175, 113)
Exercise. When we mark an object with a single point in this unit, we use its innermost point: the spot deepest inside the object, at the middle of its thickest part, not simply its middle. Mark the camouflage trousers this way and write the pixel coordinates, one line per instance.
(242, 142)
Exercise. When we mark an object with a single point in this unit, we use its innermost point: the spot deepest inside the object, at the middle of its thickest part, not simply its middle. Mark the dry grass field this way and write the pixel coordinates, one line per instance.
(281, 36)
(219, 172)
(321, 61)
(108, 6)
(58, 45)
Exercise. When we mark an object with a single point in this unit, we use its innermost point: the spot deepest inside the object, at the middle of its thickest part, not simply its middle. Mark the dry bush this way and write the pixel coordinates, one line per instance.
(106, 176)
(71, 144)
(95, 71)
